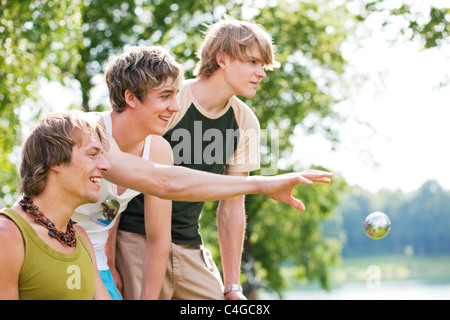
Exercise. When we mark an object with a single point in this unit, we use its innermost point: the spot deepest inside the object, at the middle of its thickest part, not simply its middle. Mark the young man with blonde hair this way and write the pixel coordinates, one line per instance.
(213, 132)
(43, 254)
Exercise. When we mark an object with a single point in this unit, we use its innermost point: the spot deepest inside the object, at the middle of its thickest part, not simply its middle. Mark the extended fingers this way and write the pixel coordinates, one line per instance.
(317, 175)
(322, 179)
(304, 180)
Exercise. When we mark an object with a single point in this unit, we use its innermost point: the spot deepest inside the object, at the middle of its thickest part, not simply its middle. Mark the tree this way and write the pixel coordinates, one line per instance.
(431, 25)
(425, 21)
(38, 39)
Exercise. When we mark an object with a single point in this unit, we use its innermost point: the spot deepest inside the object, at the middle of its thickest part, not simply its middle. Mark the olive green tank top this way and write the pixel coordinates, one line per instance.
(48, 274)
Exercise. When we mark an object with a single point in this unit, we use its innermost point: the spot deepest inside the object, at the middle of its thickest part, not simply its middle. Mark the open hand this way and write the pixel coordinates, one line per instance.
(280, 187)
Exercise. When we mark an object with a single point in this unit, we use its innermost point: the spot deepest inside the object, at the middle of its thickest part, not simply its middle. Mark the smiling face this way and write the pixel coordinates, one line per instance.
(243, 76)
(49, 147)
(154, 112)
(80, 177)
(138, 70)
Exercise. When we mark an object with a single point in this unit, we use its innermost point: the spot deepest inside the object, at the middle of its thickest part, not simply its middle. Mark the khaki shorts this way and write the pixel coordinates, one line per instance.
(191, 273)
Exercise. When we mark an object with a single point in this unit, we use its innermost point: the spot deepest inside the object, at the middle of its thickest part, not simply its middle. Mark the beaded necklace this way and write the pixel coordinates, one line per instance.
(68, 238)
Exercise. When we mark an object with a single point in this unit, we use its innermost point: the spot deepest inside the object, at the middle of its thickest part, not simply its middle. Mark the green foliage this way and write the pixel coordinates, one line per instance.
(38, 39)
(308, 39)
(109, 26)
(432, 26)
(278, 234)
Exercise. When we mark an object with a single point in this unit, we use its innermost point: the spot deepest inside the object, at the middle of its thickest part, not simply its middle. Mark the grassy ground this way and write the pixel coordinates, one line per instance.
(402, 277)
(391, 268)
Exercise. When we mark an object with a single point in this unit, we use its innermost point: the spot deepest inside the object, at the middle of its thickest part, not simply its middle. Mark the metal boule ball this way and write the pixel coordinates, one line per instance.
(377, 225)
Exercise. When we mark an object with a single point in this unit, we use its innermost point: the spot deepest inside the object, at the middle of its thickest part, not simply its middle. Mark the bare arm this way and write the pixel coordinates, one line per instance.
(158, 218)
(12, 254)
(100, 292)
(157, 226)
(183, 184)
(231, 229)
(110, 251)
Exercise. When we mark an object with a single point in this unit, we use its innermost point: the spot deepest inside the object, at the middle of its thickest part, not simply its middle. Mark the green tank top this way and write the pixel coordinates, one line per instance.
(47, 274)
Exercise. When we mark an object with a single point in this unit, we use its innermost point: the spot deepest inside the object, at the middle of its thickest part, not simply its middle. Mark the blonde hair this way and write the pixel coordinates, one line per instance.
(51, 143)
(139, 70)
(233, 37)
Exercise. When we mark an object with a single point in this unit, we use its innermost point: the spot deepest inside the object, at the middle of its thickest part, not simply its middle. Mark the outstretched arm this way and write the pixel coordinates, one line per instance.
(183, 184)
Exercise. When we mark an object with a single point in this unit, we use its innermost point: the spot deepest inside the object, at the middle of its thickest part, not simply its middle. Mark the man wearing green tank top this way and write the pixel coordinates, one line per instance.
(43, 255)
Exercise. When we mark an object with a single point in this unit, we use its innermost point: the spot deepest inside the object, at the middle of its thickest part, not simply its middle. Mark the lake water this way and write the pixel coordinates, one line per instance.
(394, 290)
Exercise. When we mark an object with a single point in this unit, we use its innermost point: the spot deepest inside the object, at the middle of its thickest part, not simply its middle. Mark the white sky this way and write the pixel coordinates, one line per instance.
(410, 116)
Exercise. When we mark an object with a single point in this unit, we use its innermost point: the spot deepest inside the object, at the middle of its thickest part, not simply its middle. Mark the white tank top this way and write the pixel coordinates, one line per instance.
(91, 217)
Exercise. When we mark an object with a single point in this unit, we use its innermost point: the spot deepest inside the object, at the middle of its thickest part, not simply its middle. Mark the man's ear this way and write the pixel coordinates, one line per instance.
(220, 59)
(56, 168)
(130, 98)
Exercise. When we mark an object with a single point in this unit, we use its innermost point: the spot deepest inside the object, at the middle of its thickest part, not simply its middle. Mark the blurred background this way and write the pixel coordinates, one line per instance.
(363, 90)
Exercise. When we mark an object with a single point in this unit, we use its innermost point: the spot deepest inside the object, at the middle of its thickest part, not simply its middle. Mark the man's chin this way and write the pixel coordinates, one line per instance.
(93, 199)
(250, 95)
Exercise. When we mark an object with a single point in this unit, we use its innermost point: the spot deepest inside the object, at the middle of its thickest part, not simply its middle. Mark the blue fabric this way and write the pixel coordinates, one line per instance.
(110, 285)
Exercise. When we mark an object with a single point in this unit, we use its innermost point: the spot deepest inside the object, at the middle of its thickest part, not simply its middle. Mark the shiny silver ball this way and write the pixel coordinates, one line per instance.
(377, 225)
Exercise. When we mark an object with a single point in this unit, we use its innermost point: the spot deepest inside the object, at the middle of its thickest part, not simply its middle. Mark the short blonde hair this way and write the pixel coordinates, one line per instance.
(233, 37)
(140, 69)
(51, 143)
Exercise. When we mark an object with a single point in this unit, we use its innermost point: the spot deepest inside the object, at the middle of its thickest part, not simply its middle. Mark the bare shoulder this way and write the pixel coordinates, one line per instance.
(161, 151)
(9, 231)
(12, 248)
(12, 257)
(83, 234)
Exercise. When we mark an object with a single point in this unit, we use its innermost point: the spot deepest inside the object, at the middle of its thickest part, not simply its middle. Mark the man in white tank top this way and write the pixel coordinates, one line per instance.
(137, 116)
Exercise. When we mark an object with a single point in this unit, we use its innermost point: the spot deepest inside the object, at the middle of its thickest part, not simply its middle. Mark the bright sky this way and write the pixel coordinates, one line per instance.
(409, 115)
